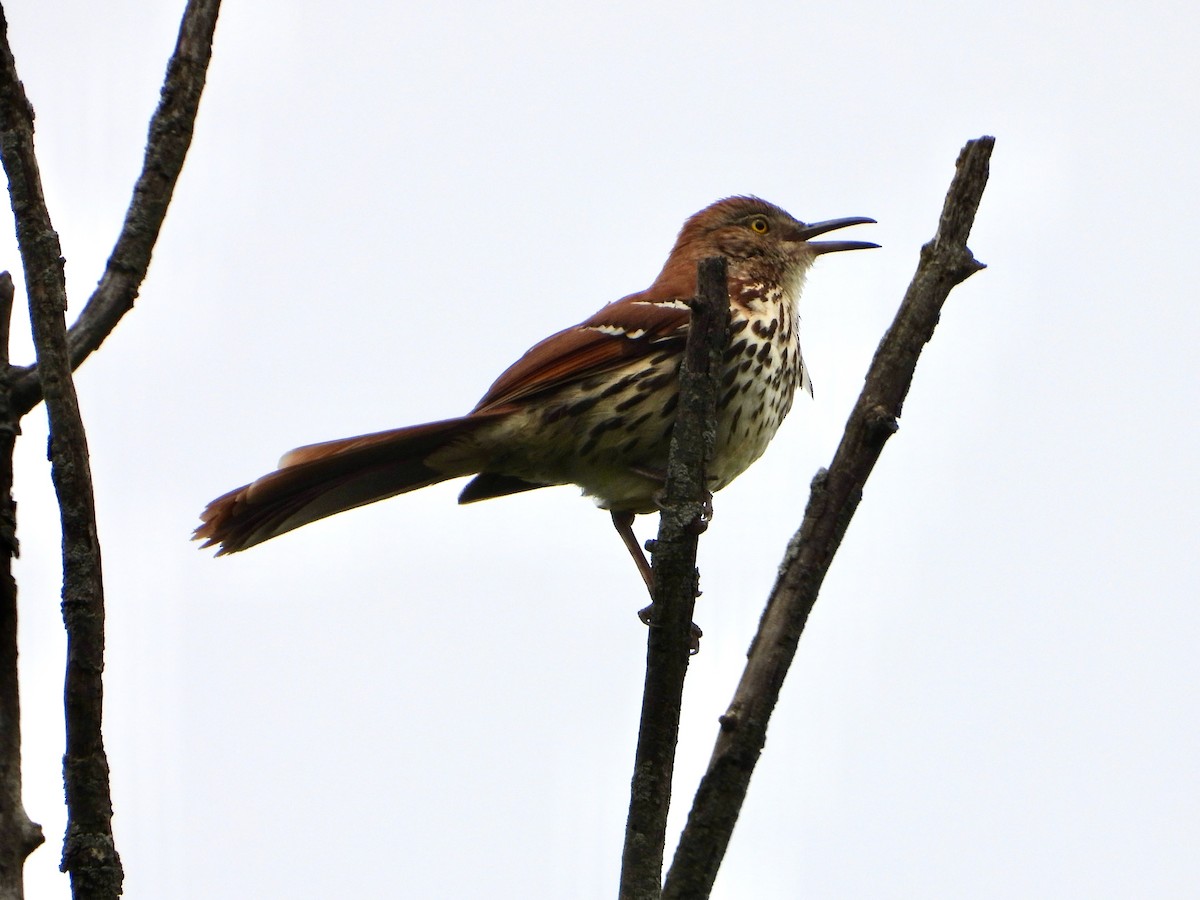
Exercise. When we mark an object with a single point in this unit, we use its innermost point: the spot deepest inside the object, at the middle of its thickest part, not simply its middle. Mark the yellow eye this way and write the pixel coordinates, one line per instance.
(759, 226)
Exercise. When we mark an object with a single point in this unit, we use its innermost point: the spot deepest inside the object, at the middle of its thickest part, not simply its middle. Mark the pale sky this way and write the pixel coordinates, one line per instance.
(386, 204)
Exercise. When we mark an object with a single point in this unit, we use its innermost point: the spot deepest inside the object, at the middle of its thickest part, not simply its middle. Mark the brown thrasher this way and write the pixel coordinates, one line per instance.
(592, 405)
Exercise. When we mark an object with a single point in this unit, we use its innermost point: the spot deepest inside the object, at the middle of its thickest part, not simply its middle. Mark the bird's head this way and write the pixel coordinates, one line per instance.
(759, 239)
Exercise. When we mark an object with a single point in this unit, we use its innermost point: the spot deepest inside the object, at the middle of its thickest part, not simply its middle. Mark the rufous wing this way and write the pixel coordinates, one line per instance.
(639, 325)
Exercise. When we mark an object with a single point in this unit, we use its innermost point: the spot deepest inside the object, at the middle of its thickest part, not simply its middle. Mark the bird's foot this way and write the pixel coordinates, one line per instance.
(706, 513)
(699, 524)
(646, 614)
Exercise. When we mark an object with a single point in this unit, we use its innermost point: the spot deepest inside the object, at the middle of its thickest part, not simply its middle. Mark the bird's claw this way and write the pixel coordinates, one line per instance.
(646, 615)
(699, 524)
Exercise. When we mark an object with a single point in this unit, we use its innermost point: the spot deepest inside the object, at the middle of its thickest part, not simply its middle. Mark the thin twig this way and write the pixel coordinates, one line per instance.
(684, 517)
(18, 835)
(169, 139)
(945, 262)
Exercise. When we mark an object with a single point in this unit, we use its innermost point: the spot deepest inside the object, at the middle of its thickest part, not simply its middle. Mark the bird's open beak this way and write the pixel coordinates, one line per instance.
(816, 228)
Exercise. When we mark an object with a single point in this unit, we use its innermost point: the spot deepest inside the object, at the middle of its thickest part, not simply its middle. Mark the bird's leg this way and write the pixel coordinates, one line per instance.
(623, 522)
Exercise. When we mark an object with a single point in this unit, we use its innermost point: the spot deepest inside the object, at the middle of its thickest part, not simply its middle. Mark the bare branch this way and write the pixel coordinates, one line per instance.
(945, 262)
(686, 502)
(18, 835)
(169, 139)
(89, 854)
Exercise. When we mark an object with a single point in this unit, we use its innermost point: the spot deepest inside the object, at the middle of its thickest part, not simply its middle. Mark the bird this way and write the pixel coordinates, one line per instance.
(592, 405)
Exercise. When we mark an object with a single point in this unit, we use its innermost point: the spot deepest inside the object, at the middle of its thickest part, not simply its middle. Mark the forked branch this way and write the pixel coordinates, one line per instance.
(166, 148)
(89, 852)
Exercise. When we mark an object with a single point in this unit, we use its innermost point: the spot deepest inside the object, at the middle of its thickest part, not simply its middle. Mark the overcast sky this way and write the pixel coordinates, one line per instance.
(386, 204)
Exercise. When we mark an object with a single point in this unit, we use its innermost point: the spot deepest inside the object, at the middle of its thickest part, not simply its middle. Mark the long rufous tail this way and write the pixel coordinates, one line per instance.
(322, 479)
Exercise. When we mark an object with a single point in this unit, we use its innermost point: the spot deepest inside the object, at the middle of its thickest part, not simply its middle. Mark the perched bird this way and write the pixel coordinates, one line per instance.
(592, 405)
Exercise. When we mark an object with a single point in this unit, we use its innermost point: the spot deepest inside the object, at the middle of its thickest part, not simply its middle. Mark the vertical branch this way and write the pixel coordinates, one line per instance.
(89, 852)
(945, 262)
(684, 516)
(18, 835)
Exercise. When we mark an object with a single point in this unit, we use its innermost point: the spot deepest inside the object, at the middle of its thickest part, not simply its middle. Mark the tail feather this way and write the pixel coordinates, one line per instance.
(323, 479)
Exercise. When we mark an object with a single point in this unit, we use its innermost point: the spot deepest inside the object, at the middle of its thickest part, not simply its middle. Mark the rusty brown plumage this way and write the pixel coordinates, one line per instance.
(592, 405)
